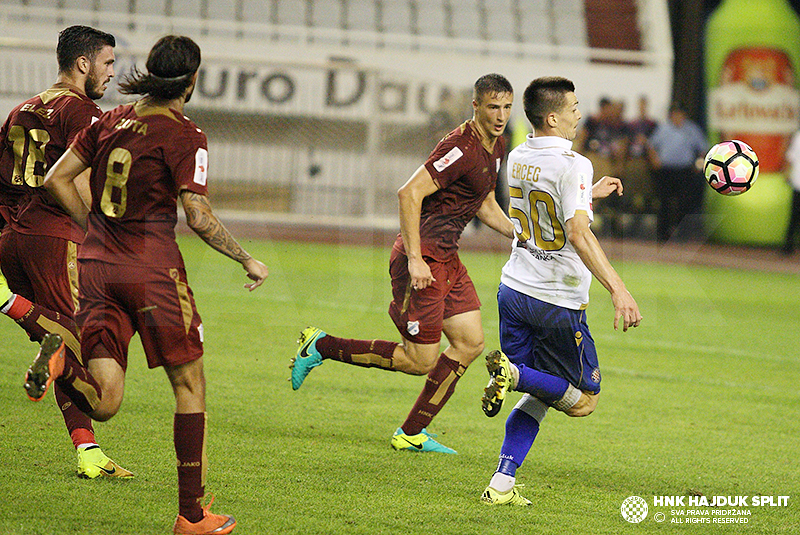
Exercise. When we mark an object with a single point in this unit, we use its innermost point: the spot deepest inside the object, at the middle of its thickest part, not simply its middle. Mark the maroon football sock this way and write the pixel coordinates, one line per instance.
(79, 385)
(439, 386)
(189, 435)
(78, 423)
(37, 321)
(75, 382)
(366, 353)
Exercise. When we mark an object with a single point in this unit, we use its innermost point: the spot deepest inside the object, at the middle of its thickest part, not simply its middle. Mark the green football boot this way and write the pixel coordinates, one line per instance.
(512, 497)
(422, 442)
(307, 357)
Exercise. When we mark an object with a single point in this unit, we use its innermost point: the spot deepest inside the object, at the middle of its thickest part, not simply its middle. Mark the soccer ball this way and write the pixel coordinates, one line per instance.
(731, 167)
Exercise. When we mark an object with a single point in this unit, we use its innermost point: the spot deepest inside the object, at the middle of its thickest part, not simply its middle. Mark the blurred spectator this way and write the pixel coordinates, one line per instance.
(604, 140)
(449, 112)
(640, 129)
(679, 146)
(639, 199)
(793, 177)
(442, 118)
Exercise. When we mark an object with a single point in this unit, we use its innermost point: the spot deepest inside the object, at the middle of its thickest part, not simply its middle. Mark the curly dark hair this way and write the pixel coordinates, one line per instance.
(171, 64)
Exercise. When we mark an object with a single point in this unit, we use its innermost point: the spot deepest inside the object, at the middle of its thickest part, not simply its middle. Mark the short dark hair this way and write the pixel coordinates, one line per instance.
(77, 41)
(491, 83)
(172, 62)
(545, 95)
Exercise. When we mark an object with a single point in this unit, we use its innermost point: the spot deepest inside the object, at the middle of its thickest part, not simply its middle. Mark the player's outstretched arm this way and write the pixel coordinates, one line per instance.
(202, 220)
(493, 216)
(410, 197)
(60, 183)
(606, 186)
(588, 248)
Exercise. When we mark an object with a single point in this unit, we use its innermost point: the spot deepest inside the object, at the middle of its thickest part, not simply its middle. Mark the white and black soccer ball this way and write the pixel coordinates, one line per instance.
(731, 167)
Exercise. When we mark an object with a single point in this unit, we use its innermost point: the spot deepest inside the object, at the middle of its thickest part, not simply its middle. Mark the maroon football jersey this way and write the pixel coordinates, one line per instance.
(466, 173)
(34, 136)
(141, 158)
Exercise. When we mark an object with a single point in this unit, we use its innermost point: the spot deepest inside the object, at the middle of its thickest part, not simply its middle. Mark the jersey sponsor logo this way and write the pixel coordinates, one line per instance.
(535, 252)
(413, 328)
(201, 166)
(447, 160)
(582, 199)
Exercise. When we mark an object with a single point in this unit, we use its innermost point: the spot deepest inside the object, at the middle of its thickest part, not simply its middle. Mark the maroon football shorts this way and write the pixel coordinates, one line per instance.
(118, 300)
(419, 314)
(41, 269)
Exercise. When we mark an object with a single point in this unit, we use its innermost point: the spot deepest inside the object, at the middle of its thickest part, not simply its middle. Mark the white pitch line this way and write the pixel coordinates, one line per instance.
(693, 348)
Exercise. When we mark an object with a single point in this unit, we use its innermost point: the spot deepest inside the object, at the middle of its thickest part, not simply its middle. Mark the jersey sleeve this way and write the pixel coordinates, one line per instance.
(77, 117)
(85, 143)
(450, 160)
(189, 165)
(576, 195)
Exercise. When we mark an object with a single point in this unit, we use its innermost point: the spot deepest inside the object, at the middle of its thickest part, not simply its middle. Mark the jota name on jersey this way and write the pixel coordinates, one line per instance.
(137, 126)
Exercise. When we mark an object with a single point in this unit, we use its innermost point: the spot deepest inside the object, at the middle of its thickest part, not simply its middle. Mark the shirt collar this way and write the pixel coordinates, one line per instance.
(542, 142)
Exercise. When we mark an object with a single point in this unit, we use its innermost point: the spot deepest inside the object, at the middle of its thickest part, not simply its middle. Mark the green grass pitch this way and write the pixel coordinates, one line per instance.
(702, 398)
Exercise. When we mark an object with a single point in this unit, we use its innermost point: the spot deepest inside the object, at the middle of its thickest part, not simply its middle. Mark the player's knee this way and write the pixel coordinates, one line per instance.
(469, 350)
(414, 366)
(423, 368)
(101, 416)
(578, 412)
(417, 360)
(584, 407)
(106, 410)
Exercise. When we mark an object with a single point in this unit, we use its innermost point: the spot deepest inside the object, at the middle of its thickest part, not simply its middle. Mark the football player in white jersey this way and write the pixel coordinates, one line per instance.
(547, 350)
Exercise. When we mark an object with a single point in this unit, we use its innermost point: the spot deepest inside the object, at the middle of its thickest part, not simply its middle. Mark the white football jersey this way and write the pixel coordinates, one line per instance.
(548, 184)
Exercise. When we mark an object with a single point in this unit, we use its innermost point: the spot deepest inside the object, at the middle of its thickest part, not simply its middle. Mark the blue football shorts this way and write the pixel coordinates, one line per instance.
(548, 338)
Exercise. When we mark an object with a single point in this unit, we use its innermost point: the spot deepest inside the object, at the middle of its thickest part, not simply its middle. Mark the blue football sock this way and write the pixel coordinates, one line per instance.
(544, 386)
(521, 430)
